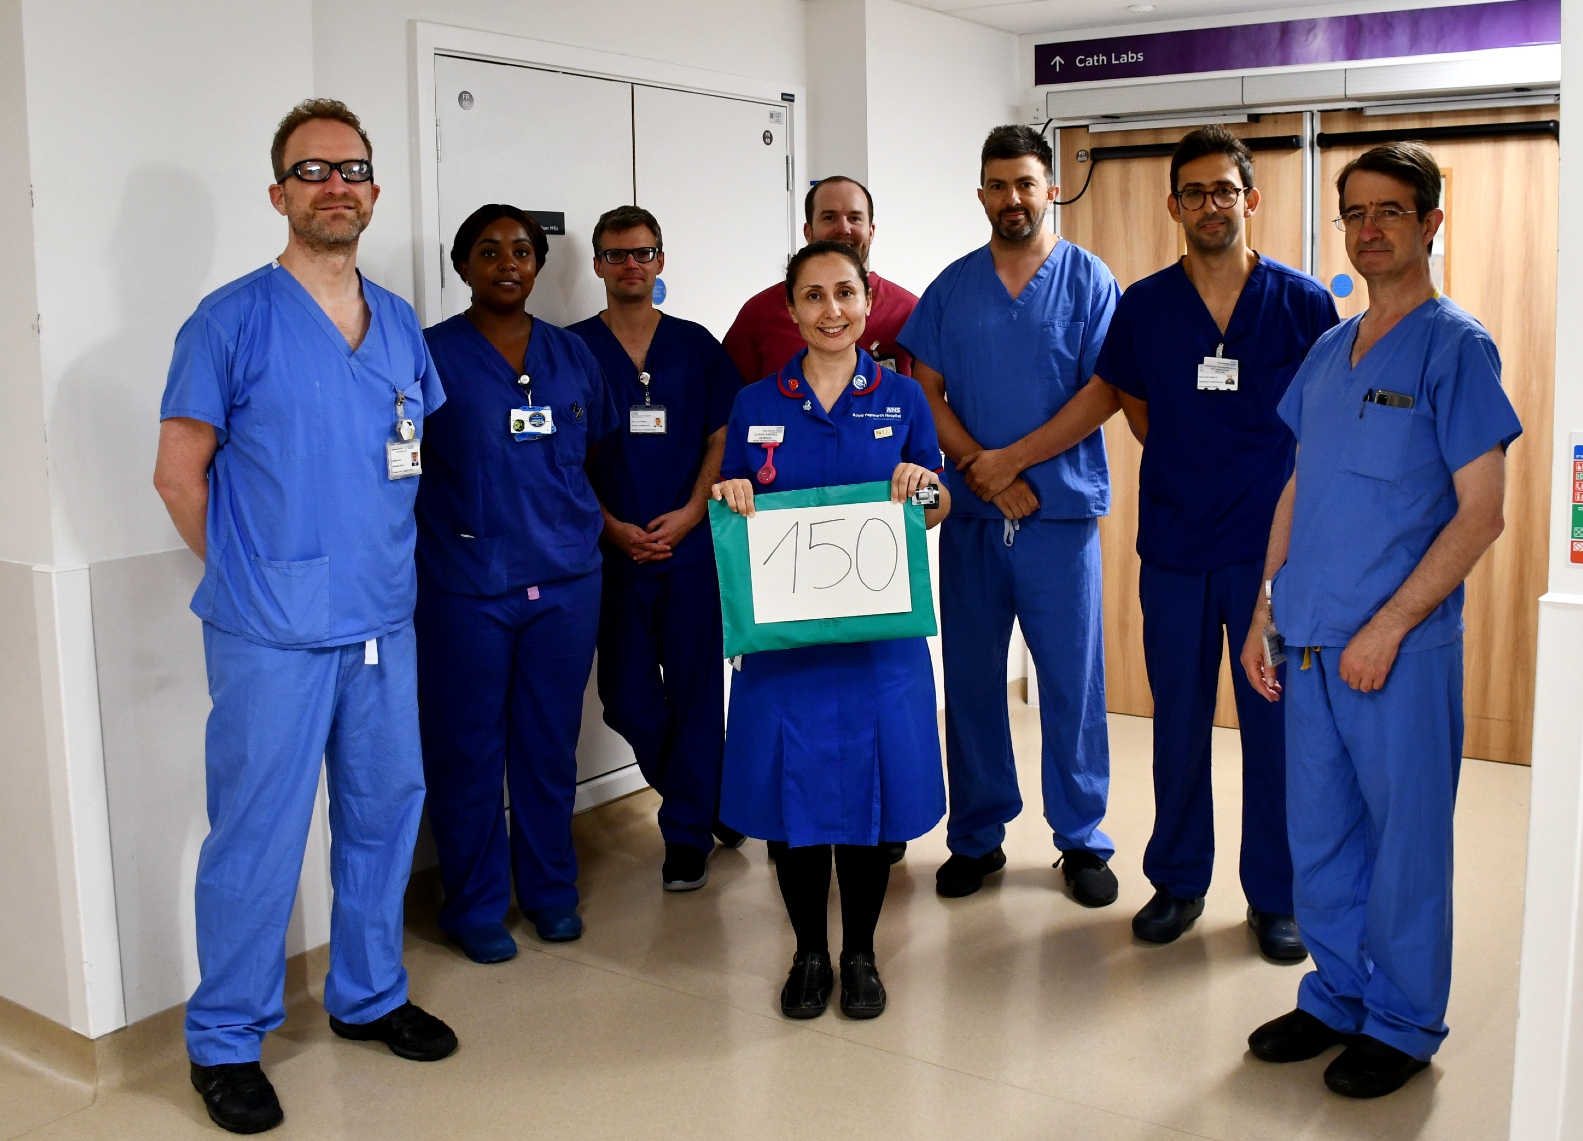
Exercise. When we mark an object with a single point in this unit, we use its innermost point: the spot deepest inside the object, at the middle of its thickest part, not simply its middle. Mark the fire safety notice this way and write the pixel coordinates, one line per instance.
(1577, 497)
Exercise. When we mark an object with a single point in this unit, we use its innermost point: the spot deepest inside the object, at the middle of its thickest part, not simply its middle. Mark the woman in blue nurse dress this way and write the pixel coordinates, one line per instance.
(833, 747)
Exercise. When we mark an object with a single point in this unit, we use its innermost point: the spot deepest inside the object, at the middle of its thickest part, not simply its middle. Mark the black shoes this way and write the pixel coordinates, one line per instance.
(686, 868)
(409, 1031)
(238, 1096)
(1278, 936)
(728, 835)
(1368, 1068)
(1165, 917)
(1092, 882)
(862, 994)
(807, 989)
(896, 852)
(1295, 1037)
(963, 875)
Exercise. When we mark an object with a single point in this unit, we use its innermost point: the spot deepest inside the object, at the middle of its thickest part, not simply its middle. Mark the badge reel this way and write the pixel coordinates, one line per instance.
(404, 454)
(531, 421)
(648, 418)
(1218, 373)
(770, 437)
(1274, 644)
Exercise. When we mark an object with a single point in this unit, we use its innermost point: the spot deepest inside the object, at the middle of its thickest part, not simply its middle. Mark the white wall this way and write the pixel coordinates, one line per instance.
(837, 32)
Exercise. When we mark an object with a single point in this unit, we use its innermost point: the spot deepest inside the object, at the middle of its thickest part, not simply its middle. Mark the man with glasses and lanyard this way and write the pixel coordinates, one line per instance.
(1402, 430)
(289, 451)
(1200, 354)
(659, 619)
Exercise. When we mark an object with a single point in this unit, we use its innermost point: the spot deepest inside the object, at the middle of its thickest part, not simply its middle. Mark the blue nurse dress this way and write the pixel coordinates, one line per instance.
(833, 744)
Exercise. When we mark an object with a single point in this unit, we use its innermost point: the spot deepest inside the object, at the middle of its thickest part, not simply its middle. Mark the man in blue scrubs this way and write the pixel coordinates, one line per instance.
(659, 621)
(1004, 343)
(289, 449)
(1402, 430)
(1201, 353)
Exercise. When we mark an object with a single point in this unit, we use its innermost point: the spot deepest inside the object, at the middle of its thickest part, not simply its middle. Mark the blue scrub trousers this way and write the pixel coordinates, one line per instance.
(278, 716)
(1370, 787)
(500, 690)
(1183, 615)
(1045, 574)
(663, 688)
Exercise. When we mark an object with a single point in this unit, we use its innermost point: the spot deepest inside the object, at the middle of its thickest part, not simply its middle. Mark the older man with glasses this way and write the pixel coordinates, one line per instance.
(289, 451)
(1402, 430)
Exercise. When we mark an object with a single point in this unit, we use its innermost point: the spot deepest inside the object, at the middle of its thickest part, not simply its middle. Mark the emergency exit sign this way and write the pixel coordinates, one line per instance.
(1577, 497)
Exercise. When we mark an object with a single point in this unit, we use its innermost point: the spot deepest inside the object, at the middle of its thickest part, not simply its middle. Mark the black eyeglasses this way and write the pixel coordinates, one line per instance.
(1225, 197)
(642, 255)
(318, 170)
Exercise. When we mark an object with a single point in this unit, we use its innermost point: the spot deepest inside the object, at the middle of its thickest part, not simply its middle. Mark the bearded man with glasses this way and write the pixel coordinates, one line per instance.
(289, 450)
(659, 618)
(1402, 431)
(1200, 354)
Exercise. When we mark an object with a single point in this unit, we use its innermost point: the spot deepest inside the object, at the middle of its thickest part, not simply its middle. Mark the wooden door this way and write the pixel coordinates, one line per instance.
(1123, 220)
(1501, 203)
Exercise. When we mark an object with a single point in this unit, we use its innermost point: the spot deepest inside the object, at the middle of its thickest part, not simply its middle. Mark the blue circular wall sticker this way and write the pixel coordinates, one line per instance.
(1341, 285)
(659, 291)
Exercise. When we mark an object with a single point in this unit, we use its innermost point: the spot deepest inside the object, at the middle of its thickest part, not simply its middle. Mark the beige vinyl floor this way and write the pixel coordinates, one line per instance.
(1015, 1013)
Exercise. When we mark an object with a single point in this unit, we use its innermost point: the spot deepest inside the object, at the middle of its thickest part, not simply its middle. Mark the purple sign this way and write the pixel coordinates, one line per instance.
(1333, 39)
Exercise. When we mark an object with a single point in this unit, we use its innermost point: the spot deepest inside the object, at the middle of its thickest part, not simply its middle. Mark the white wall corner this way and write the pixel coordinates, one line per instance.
(78, 803)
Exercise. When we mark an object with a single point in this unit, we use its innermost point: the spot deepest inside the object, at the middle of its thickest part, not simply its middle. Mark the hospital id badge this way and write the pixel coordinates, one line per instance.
(404, 458)
(1217, 374)
(767, 434)
(1274, 647)
(646, 420)
(533, 422)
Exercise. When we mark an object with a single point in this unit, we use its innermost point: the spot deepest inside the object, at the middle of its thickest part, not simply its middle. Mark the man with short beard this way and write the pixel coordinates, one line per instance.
(1004, 342)
(1202, 353)
(289, 447)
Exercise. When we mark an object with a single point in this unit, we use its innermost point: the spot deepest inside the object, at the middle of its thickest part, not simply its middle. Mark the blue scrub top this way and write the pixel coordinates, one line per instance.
(309, 542)
(827, 449)
(833, 744)
(497, 514)
(1374, 483)
(1214, 463)
(1012, 364)
(640, 478)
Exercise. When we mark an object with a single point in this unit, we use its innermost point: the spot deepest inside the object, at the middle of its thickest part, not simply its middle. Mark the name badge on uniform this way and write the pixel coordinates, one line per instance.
(404, 458)
(533, 422)
(766, 433)
(884, 433)
(1217, 373)
(646, 420)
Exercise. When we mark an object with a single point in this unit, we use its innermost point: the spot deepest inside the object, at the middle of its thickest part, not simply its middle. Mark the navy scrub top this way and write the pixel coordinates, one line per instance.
(833, 744)
(1010, 364)
(1214, 463)
(641, 477)
(309, 539)
(497, 514)
(1374, 483)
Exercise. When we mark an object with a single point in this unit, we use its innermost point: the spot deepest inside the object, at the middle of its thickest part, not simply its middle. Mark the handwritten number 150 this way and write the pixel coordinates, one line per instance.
(853, 557)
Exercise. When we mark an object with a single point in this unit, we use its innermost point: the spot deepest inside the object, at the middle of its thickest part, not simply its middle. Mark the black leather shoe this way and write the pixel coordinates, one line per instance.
(686, 868)
(1092, 882)
(1278, 936)
(1370, 1068)
(1165, 917)
(807, 989)
(728, 835)
(862, 994)
(409, 1031)
(897, 852)
(963, 875)
(776, 848)
(1294, 1037)
(238, 1096)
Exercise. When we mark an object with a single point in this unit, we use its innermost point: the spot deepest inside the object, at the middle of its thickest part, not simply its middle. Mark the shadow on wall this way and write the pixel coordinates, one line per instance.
(104, 414)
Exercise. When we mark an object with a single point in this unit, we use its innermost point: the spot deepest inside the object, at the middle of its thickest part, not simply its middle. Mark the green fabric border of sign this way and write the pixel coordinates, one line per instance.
(745, 636)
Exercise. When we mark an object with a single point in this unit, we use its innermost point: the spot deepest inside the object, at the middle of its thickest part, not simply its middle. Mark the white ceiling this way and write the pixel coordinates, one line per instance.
(1117, 16)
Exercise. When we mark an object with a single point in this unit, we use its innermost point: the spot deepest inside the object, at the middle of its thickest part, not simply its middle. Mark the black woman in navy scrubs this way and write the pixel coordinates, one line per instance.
(508, 591)
(833, 746)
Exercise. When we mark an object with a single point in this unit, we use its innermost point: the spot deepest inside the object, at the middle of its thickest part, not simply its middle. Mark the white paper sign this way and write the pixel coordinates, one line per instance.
(829, 562)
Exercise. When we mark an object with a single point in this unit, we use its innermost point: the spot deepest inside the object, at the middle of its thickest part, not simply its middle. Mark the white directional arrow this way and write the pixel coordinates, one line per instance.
(1058, 62)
